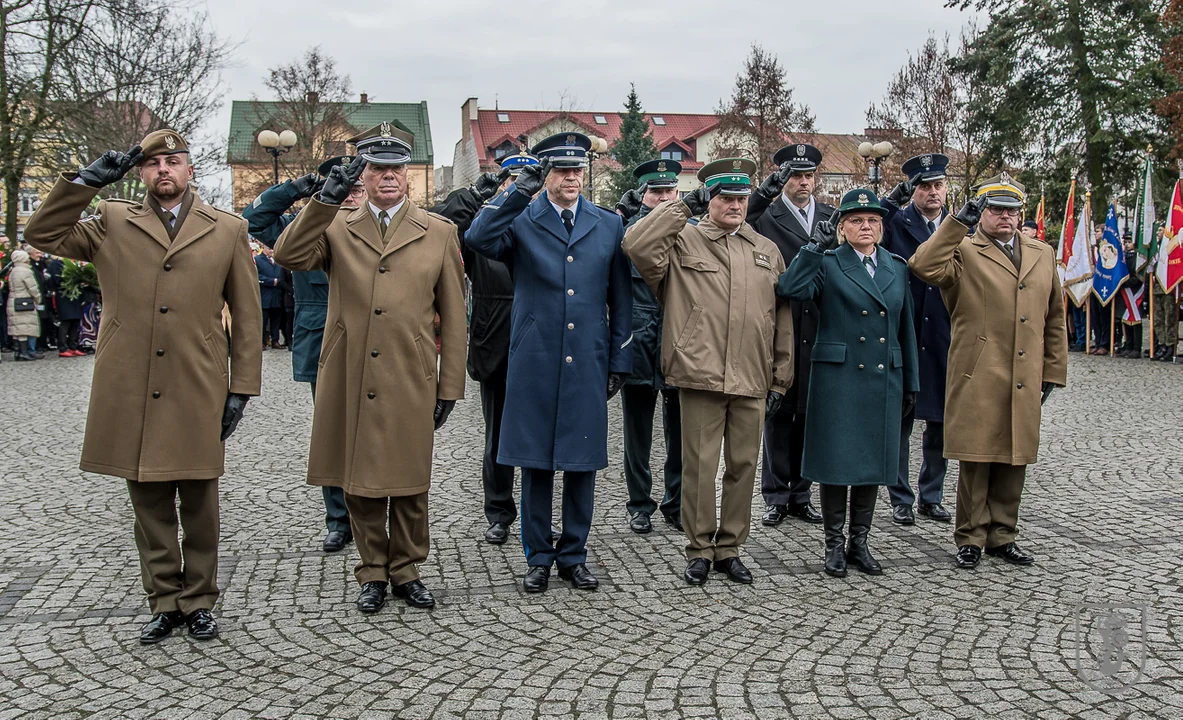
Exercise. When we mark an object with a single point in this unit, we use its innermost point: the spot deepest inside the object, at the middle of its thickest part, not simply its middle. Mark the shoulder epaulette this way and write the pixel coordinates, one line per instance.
(437, 216)
(123, 201)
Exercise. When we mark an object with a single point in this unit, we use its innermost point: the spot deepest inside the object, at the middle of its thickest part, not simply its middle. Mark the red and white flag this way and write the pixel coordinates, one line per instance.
(1168, 262)
(1133, 302)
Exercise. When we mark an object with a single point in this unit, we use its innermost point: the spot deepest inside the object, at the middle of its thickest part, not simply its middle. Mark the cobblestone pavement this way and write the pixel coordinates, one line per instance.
(1103, 512)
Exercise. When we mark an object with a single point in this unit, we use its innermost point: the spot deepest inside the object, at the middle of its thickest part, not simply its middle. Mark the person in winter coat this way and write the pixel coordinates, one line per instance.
(24, 299)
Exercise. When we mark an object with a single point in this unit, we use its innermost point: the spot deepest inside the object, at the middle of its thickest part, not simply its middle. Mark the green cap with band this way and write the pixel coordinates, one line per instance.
(733, 176)
(658, 173)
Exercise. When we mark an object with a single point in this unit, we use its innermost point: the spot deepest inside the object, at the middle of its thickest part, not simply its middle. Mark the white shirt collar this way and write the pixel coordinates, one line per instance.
(559, 208)
(807, 221)
(175, 210)
(390, 212)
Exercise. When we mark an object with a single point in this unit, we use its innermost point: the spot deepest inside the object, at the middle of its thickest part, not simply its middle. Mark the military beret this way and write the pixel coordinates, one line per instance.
(564, 150)
(515, 163)
(387, 143)
(1031, 224)
(800, 157)
(860, 200)
(1002, 191)
(163, 142)
(733, 176)
(658, 173)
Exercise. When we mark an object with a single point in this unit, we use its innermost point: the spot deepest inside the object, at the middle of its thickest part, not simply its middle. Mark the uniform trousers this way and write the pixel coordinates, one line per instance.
(780, 476)
(336, 514)
(933, 467)
(391, 536)
(712, 421)
(638, 403)
(496, 478)
(177, 575)
(579, 489)
(988, 503)
(1166, 319)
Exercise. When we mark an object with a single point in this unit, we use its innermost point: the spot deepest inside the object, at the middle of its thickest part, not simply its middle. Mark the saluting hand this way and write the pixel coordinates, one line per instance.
(532, 177)
(901, 194)
(630, 203)
(308, 185)
(341, 180)
(487, 184)
(825, 235)
(110, 167)
(775, 182)
(971, 212)
(698, 201)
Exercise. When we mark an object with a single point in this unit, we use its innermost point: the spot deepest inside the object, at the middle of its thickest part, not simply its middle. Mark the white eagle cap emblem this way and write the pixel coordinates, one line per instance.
(926, 160)
(800, 151)
(570, 139)
(170, 142)
(385, 129)
(661, 166)
(1004, 178)
(736, 164)
(863, 199)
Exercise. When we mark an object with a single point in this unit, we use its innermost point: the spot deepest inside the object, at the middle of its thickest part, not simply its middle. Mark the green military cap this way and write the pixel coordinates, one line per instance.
(860, 200)
(658, 173)
(733, 176)
(163, 142)
(387, 143)
(1002, 191)
(327, 166)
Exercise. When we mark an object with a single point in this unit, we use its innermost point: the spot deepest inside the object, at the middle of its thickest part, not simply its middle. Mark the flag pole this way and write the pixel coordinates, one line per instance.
(1088, 327)
(1150, 284)
(1112, 313)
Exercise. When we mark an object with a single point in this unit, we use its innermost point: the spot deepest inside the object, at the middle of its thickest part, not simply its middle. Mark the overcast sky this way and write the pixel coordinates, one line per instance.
(683, 56)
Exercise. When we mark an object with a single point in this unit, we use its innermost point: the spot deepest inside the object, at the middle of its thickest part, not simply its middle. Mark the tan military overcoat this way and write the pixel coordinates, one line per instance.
(1007, 338)
(160, 367)
(378, 382)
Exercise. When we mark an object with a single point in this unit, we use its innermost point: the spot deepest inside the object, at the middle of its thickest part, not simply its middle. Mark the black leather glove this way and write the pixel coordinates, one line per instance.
(231, 416)
(971, 212)
(698, 201)
(630, 203)
(532, 178)
(488, 184)
(110, 167)
(772, 403)
(1047, 390)
(341, 180)
(443, 408)
(615, 382)
(308, 185)
(775, 182)
(825, 234)
(909, 403)
(901, 194)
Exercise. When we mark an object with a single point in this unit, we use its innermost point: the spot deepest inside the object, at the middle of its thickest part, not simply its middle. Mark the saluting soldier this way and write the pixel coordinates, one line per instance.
(1008, 349)
(657, 183)
(727, 345)
(266, 218)
(569, 348)
(784, 210)
(162, 400)
(903, 232)
(381, 390)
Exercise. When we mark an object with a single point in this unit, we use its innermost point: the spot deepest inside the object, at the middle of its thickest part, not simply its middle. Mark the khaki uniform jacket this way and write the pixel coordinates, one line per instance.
(1007, 338)
(160, 366)
(725, 330)
(377, 383)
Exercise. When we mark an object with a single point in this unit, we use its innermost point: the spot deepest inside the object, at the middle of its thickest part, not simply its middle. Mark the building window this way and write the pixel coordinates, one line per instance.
(502, 117)
(27, 202)
(504, 150)
(600, 120)
(671, 154)
(658, 120)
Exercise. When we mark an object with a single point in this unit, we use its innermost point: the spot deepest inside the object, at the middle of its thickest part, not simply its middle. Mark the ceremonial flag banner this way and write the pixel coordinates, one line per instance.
(1039, 220)
(1133, 302)
(1168, 263)
(1076, 255)
(1144, 220)
(1109, 269)
(1067, 231)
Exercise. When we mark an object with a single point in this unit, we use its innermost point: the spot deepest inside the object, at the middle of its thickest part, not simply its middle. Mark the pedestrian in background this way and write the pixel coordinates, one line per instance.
(24, 299)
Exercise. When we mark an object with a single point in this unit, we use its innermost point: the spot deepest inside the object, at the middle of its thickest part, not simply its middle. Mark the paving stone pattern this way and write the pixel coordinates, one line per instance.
(1103, 512)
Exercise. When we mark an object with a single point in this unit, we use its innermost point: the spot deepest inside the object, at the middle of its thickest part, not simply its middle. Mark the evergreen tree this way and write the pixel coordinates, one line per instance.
(634, 146)
(1069, 83)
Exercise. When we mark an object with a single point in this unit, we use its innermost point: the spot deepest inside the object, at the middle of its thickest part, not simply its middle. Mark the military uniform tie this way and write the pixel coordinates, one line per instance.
(1010, 253)
(568, 220)
(383, 221)
(931, 227)
(870, 263)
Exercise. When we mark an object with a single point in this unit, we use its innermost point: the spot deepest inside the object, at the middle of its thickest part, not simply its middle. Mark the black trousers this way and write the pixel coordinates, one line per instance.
(496, 478)
(780, 477)
(272, 323)
(933, 467)
(638, 403)
(579, 489)
(1133, 336)
(68, 332)
(336, 513)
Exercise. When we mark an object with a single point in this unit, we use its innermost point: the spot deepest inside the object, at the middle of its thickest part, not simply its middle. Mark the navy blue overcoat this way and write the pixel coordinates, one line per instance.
(902, 234)
(571, 325)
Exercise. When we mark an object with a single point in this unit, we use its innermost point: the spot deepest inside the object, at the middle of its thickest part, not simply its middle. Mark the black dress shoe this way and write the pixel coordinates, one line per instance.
(536, 580)
(580, 577)
(968, 556)
(902, 515)
(1011, 553)
(806, 512)
(775, 515)
(415, 593)
(202, 625)
(336, 540)
(675, 520)
(639, 523)
(161, 626)
(696, 571)
(372, 597)
(734, 569)
(935, 512)
(497, 533)
(836, 561)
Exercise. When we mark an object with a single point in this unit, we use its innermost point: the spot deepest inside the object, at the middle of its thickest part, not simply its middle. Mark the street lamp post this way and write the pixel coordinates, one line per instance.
(875, 154)
(276, 144)
(599, 146)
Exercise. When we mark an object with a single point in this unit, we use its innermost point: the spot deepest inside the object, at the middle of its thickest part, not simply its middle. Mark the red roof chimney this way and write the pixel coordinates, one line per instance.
(365, 98)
